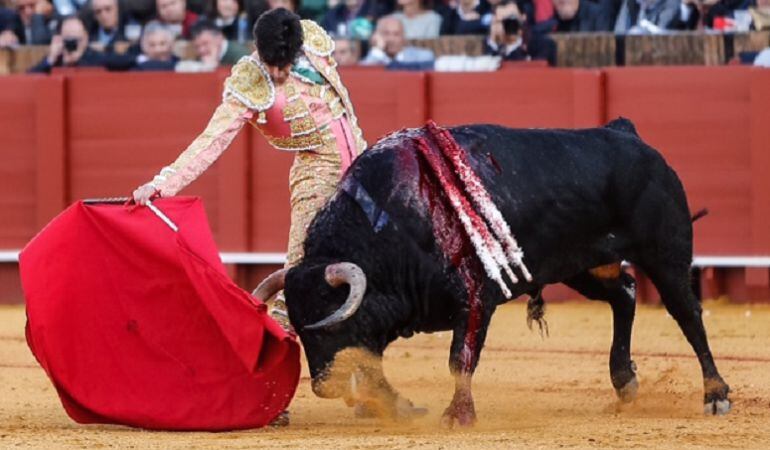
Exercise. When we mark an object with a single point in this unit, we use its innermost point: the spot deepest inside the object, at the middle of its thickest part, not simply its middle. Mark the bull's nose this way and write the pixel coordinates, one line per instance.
(325, 388)
(320, 388)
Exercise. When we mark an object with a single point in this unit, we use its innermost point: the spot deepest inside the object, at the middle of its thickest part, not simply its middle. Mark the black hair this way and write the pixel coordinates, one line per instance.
(203, 26)
(278, 35)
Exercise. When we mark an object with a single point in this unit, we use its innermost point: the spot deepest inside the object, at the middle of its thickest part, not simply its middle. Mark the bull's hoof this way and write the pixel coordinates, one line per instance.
(402, 410)
(717, 407)
(461, 412)
(627, 393)
(715, 401)
(405, 410)
(361, 411)
(463, 419)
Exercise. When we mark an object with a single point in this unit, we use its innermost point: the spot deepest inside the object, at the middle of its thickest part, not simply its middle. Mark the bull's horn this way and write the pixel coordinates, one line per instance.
(271, 285)
(344, 273)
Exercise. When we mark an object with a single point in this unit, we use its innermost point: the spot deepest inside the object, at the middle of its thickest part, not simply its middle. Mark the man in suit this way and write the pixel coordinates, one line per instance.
(69, 48)
(29, 23)
(174, 14)
(212, 48)
(108, 26)
(389, 47)
(506, 37)
(572, 16)
(648, 15)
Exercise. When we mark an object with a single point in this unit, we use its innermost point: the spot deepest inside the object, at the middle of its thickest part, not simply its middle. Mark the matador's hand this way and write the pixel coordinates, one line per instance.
(144, 193)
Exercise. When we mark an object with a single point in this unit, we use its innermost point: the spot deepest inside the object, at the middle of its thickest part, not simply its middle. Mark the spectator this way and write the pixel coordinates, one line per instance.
(212, 48)
(230, 17)
(760, 15)
(763, 58)
(389, 47)
(30, 24)
(339, 20)
(572, 16)
(639, 16)
(109, 25)
(69, 48)
(68, 7)
(346, 52)
(174, 14)
(467, 18)
(506, 38)
(291, 5)
(142, 11)
(8, 29)
(157, 49)
(419, 23)
(313, 9)
(254, 9)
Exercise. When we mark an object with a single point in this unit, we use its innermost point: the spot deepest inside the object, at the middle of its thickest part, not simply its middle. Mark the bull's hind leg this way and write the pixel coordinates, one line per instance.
(463, 358)
(620, 292)
(673, 284)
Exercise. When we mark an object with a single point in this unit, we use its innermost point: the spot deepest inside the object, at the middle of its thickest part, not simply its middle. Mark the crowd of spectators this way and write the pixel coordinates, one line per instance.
(141, 34)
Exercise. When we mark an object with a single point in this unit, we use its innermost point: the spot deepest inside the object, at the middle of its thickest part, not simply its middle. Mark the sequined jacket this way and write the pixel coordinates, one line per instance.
(282, 114)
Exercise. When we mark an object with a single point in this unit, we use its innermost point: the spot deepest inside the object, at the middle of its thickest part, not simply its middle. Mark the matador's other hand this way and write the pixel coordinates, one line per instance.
(144, 193)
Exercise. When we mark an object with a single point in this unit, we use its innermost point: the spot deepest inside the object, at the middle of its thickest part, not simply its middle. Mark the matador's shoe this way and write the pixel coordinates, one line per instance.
(277, 311)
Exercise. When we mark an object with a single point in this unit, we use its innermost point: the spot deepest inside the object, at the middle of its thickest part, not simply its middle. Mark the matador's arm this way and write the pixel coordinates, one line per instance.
(248, 91)
(227, 121)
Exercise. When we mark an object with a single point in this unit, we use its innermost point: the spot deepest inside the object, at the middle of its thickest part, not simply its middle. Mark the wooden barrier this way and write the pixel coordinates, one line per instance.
(452, 45)
(585, 49)
(684, 48)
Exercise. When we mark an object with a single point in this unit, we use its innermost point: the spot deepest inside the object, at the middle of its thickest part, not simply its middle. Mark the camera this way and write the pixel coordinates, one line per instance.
(71, 44)
(511, 25)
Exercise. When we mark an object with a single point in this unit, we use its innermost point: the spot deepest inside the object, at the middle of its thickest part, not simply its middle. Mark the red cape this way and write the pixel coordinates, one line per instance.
(138, 325)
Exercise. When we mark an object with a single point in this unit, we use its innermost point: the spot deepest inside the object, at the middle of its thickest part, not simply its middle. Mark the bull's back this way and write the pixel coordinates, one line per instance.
(563, 190)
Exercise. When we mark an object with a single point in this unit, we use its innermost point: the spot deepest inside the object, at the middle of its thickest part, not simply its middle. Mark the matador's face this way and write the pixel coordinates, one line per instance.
(279, 75)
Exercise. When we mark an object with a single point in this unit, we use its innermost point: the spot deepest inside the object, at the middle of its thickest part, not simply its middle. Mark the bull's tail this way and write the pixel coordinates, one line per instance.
(536, 312)
(699, 215)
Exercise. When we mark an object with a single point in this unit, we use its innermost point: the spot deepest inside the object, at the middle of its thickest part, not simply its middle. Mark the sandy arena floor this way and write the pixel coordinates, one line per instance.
(530, 393)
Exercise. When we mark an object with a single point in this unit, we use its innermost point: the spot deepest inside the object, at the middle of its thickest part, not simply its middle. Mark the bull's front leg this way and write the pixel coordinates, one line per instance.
(370, 391)
(467, 341)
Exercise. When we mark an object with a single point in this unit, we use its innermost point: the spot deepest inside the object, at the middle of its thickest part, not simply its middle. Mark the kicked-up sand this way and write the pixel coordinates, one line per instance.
(530, 392)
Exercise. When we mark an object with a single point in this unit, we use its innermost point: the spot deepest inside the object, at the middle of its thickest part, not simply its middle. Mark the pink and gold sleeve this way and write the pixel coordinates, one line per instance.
(227, 121)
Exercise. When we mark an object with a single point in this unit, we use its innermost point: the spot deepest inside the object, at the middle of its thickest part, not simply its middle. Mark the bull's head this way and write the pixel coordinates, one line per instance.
(320, 299)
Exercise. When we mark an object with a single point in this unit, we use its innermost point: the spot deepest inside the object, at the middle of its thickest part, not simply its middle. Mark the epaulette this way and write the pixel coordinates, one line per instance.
(315, 39)
(250, 83)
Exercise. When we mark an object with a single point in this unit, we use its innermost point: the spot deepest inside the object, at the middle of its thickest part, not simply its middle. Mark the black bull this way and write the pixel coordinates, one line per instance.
(574, 200)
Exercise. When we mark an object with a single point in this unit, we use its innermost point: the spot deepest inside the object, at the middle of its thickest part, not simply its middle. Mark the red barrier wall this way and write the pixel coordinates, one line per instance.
(561, 98)
(32, 130)
(711, 126)
(98, 134)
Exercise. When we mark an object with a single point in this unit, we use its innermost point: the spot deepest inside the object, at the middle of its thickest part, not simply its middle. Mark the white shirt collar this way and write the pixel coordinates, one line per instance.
(223, 50)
